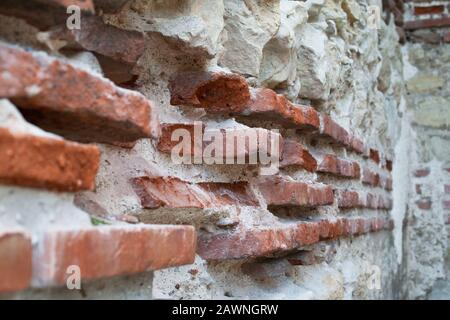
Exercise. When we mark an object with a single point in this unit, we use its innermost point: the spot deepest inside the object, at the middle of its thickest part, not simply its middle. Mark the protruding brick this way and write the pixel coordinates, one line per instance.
(46, 162)
(266, 104)
(73, 102)
(434, 9)
(374, 155)
(295, 154)
(427, 23)
(424, 203)
(214, 91)
(236, 145)
(329, 163)
(422, 172)
(370, 178)
(170, 192)
(269, 240)
(278, 191)
(15, 260)
(334, 132)
(125, 46)
(108, 251)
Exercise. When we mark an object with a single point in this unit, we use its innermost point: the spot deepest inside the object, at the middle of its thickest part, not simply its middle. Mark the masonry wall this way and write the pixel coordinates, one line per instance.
(86, 132)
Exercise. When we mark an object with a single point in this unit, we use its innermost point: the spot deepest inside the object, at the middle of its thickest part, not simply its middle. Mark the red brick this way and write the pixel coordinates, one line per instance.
(266, 104)
(389, 165)
(334, 132)
(423, 172)
(66, 100)
(436, 9)
(296, 154)
(446, 204)
(15, 261)
(108, 251)
(357, 144)
(370, 178)
(125, 46)
(447, 188)
(329, 163)
(248, 143)
(216, 92)
(374, 155)
(170, 192)
(418, 188)
(350, 199)
(427, 23)
(424, 203)
(270, 240)
(447, 219)
(47, 162)
(278, 191)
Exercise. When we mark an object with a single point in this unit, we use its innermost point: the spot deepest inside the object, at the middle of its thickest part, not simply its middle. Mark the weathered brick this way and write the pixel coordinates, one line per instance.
(66, 100)
(334, 132)
(427, 23)
(266, 104)
(385, 181)
(418, 188)
(214, 91)
(446, 204)
(370, 178)
(434, 9)
(15, 260)
(170, 192)
(269, 240)
(424, 203)
(389, 165)
(446, 37)
(295, 154)
(239, 145)
(108, 251)
(350, 199)
(422, 172)
(121, 45)
(357, 144)
(329, 163)
(278, 191)
(374, 155)
(46, 162)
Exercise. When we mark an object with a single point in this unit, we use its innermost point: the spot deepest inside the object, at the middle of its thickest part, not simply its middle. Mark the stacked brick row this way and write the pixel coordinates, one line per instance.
(88, 110)
(427, 21)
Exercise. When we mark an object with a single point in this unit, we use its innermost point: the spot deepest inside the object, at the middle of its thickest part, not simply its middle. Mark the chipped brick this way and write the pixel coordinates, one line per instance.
(295, 154)
(267, 241)
(15, 260)
(370, 178)
(66, 100)
(278, 191)
(349, 199)
(329, 163)
(108, 251)
(47, 162)
(237, 145)
(214, 91)
(170, 192)
(435, 9)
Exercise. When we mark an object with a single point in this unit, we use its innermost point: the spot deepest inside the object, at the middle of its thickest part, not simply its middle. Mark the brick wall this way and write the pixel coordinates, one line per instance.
(90, 119)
